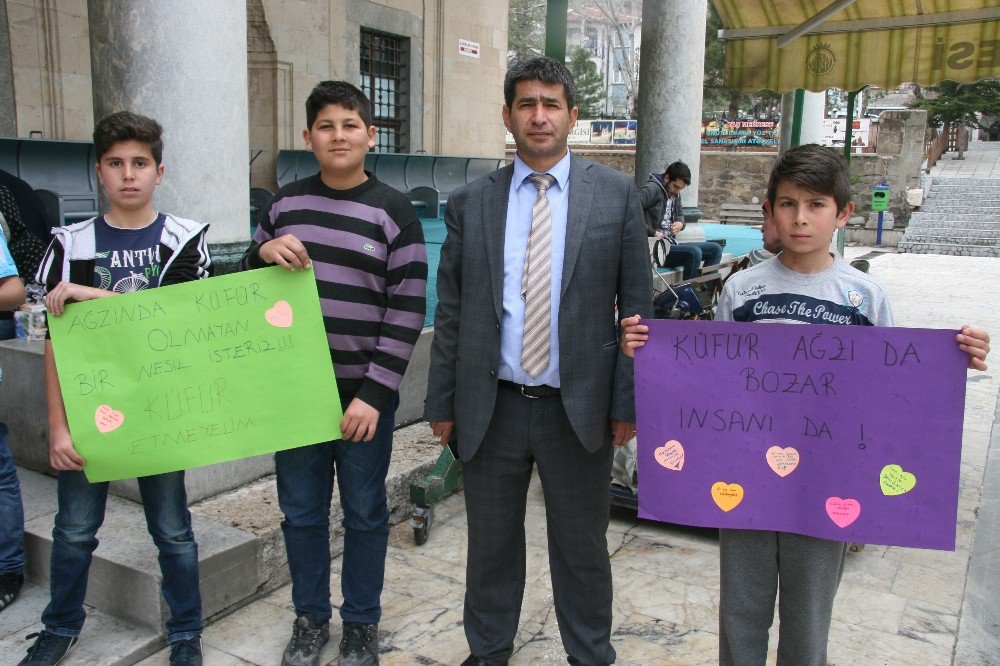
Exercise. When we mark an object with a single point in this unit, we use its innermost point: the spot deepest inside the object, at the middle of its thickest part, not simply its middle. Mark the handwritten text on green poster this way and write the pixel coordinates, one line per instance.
(198, 373)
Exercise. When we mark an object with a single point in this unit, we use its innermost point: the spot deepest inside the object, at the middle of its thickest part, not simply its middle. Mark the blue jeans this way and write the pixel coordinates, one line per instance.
(305, 490)
(81, 513)
(11, 511)
(690, 256)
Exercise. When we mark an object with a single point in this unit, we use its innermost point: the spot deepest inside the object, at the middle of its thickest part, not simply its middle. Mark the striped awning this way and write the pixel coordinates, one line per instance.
(862, 42)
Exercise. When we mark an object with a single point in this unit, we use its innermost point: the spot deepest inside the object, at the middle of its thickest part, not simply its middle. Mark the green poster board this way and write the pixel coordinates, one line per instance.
(197, 373)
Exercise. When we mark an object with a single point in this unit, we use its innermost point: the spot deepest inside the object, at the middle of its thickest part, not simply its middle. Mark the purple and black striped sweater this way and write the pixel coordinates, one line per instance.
(367, 249)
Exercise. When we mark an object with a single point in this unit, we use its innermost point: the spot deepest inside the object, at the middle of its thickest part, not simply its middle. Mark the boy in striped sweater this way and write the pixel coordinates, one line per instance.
(365, 243)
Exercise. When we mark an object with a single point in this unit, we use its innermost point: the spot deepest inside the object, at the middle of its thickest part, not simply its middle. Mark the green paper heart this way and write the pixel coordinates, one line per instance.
(895, 481)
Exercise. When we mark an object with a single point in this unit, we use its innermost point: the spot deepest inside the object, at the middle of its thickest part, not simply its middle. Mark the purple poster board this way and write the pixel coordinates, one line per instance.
(848, 433)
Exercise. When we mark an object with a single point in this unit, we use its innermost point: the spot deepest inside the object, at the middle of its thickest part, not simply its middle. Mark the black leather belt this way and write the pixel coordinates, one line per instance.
(532, 392)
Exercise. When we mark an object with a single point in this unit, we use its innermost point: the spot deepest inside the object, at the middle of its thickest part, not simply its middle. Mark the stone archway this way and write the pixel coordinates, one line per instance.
(269, 99)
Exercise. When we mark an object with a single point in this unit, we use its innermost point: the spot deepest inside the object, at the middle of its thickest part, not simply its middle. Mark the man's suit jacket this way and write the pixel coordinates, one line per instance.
(606, 263)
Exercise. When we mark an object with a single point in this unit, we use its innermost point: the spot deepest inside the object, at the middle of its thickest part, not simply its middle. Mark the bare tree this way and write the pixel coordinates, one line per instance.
(623, 18)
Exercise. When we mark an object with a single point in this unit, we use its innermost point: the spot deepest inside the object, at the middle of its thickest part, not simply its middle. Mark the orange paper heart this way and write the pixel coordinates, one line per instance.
(108, 419)
(782, 460)
(670, 455)
(727, 495)
(280, 315)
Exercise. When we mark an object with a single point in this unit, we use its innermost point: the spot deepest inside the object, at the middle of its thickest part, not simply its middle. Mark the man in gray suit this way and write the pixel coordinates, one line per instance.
(525, 365)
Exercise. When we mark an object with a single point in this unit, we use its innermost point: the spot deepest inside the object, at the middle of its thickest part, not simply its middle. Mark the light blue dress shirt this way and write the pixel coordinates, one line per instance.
(519, 203)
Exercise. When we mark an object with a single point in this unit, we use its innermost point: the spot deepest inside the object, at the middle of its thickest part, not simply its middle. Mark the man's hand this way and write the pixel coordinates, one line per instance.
(443, 429)
(359, 421)
(676, 227)
(658, 234)
(62, 455)
(287, 251)
(634, 334)
(623, 432)
(55, 300)
(976, 344)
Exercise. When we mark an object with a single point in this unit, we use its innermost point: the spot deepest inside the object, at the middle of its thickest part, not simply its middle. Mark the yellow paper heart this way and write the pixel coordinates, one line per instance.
(727, 495)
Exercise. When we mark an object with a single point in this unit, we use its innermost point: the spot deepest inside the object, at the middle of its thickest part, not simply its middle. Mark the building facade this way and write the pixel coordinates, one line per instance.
(433, 68)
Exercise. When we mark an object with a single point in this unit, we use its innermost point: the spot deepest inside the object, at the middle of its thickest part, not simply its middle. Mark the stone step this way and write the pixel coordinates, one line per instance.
(977, 182)
(952, 218)
(125, 577)
(945, 189)
(966, 229)
(963, 197)
(956, 239)
(957, 227)
(104, 640)
(946, 249)
(985, 210)
(241, 550)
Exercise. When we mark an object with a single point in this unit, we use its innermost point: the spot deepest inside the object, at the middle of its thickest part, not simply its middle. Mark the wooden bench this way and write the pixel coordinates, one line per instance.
(749, 214)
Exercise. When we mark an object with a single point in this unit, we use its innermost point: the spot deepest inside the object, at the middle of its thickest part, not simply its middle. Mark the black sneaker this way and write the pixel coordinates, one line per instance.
(186, 652)
(359, 646)
(48, 649)
(308, 638)
(10, 585)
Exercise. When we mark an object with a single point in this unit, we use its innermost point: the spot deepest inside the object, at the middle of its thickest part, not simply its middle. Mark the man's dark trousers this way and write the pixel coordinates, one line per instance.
(525, 431)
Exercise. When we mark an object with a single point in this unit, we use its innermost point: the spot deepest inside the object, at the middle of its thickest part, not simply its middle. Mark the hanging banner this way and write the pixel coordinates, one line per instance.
(848, 433)
(739, 133)
(198, 373)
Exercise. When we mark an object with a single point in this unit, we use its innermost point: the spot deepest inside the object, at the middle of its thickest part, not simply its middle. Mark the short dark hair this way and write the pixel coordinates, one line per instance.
(816, 168)
(678, 170)
(340, 93)
(539, 68)
(128, 126)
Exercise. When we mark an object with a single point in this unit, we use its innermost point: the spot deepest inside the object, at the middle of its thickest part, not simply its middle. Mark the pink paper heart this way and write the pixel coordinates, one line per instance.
(670, 455)
(782, 460)
(843, 512)
(280, 315)
(108, 419)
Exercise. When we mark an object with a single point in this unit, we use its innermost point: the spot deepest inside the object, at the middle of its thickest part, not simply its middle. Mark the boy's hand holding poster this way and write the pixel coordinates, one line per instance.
(840, 432)
(196, 373)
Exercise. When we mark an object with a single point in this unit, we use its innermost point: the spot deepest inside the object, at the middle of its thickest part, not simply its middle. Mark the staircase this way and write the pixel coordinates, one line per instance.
(961, 214)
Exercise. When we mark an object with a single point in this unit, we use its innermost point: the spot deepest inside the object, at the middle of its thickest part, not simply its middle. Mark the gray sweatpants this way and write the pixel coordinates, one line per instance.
(755, 565)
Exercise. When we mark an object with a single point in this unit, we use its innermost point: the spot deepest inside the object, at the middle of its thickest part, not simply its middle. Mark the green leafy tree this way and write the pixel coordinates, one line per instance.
(959, 103)
(589, 83)
(717, 98)
(526, 28)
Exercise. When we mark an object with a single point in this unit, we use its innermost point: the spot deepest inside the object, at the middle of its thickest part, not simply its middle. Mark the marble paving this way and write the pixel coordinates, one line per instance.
(895, 606)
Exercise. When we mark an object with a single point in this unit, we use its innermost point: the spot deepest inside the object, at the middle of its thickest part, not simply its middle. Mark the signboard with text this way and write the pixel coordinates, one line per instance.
(197, 373)
(847, 433)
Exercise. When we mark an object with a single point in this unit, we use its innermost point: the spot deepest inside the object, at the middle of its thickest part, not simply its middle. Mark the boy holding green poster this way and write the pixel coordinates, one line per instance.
(131, 247)
(365, 243)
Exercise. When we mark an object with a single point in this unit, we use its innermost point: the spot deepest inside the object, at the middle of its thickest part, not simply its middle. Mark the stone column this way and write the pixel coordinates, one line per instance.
(8, 108)
(813, 112)
(188, 70)
(671, 75)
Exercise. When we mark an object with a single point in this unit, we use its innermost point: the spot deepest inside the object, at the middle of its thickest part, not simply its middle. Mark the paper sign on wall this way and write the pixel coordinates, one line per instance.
(198, 373)
(467, 48)
(840, 432)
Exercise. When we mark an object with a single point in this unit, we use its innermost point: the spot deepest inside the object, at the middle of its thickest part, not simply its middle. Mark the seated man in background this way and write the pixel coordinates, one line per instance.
(772, 244)
(661, 203)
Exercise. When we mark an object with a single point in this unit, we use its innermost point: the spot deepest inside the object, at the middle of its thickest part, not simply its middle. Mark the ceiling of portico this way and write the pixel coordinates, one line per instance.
(881, 42)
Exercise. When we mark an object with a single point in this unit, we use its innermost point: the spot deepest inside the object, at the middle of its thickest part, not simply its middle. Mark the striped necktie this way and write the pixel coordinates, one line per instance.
(536, 282)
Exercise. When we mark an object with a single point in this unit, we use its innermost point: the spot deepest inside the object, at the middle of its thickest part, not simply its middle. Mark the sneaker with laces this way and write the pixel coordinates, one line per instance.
(359, 646)
(308, 638)
(10, 585)
(186, 652)
(48, 648)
